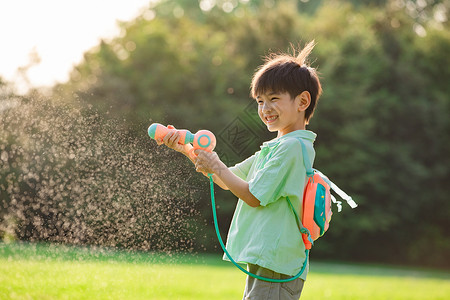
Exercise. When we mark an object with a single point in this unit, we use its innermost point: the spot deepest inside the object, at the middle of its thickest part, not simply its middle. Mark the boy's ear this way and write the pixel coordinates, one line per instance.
(304, 100)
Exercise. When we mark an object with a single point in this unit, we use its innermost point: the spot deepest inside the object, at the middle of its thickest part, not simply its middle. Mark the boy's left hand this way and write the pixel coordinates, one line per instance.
(207, 162)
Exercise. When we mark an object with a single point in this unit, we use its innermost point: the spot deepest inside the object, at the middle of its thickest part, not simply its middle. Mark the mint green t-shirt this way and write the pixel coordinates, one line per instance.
(268, 235)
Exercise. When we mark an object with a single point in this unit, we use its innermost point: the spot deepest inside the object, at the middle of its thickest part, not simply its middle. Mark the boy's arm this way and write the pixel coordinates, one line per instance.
(220, 183)
(210, 163)
(238, 187)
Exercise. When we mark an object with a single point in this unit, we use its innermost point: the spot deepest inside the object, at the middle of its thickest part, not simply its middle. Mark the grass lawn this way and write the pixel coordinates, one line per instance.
(49, 272)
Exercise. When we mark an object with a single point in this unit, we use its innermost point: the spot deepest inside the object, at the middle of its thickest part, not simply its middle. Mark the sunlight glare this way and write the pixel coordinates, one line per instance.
(59, 32)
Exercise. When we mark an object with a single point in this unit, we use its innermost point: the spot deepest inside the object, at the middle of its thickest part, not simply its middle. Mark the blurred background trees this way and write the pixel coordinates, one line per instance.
(382, 122)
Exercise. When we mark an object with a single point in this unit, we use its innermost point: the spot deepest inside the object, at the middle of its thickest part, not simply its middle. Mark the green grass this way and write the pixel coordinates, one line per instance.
(49, 272)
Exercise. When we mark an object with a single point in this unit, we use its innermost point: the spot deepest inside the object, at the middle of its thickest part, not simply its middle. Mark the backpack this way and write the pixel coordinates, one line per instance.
(316, 205)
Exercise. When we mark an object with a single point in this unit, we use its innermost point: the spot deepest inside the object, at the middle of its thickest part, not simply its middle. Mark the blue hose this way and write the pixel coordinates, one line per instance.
(213, 204)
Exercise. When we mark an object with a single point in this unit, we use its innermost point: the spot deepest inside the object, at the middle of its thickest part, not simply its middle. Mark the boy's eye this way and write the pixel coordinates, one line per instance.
(273, 98)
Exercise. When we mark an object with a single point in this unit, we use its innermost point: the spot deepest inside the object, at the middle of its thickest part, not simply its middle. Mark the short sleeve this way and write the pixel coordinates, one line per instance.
(243, 168)
(283, 174)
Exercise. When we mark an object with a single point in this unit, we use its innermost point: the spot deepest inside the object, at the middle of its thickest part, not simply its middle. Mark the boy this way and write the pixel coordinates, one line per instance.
(264, 233)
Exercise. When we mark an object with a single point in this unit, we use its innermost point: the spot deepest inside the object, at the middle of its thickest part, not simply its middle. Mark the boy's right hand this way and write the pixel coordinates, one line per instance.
(171, 140)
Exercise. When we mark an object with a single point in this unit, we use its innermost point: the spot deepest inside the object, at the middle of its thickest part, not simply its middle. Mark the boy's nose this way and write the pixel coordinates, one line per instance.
(266, 108)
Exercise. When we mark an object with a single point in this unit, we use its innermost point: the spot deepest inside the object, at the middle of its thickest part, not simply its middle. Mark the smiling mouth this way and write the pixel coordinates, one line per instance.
(271, 119)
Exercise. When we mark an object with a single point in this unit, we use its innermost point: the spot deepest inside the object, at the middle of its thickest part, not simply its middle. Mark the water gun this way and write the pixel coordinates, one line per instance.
(203, 139)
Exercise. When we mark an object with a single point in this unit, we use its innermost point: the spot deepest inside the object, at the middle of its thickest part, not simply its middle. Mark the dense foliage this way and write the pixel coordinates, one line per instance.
(382, 122)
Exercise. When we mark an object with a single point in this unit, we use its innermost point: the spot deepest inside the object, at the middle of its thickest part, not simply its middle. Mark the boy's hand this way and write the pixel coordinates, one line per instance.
(171, 140)
(208, 162)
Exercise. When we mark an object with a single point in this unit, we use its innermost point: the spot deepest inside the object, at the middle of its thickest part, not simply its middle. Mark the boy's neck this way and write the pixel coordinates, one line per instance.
(301, 126)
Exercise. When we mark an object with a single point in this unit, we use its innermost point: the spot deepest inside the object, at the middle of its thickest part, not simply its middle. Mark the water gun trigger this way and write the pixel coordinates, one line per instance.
(191, 153)
(193, 156)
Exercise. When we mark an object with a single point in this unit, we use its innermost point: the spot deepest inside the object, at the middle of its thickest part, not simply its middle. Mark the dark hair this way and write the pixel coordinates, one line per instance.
(288, 73)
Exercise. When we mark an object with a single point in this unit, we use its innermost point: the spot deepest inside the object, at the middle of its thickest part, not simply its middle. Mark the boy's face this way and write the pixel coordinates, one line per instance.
(280, 112)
